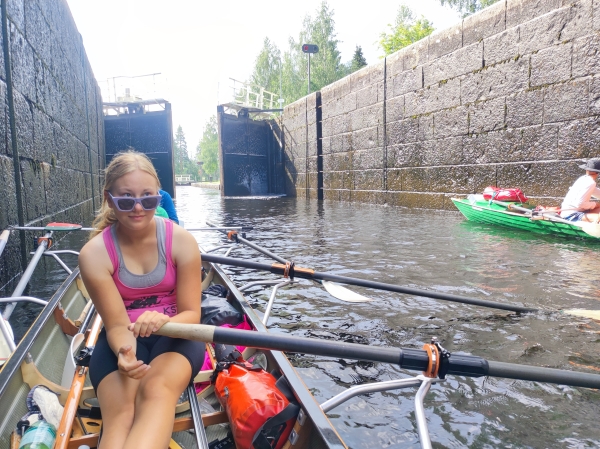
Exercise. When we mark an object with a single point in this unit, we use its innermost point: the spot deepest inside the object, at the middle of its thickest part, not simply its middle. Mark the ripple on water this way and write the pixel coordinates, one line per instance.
(438, 251)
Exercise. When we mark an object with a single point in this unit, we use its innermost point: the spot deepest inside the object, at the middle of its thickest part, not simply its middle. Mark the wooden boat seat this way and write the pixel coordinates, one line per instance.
(91, 439)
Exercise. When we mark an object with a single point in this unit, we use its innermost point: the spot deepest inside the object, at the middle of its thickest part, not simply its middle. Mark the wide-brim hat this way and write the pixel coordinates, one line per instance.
(592, 165)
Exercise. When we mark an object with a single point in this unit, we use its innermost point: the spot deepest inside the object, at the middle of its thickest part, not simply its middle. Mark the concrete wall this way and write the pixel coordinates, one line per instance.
(509, 96)
(58, 121)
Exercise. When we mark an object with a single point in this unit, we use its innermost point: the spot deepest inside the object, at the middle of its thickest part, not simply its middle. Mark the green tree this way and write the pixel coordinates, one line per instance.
(467, 7)
(207, 150)
(358, 60)
(406, 31)
(267, 67)
(292, 65)
(326, 66)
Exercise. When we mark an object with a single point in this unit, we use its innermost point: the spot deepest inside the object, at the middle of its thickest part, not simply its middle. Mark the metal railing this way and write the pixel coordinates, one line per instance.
(252, 96)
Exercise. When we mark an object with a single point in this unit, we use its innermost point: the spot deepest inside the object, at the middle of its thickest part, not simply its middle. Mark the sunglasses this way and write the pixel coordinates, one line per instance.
(127, 203)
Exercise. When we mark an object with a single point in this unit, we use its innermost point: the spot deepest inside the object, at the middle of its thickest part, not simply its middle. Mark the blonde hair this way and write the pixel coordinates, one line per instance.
(120, 165)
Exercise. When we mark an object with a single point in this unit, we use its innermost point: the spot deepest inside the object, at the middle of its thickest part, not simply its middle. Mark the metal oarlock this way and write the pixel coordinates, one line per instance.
(230, 247)
(437, 354)
(277, 285)
(54, 255)
(424, 383)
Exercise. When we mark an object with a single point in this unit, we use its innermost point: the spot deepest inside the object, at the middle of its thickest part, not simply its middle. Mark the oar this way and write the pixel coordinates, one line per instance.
(54, 227)
(335, 290)
(306, 273)
(413, 359)
(592, 229)
(589, 228)
(233, 228)
(344, 294)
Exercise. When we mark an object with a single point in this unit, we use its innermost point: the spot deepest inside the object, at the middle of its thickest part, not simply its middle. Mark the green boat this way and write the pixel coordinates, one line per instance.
(523, 216)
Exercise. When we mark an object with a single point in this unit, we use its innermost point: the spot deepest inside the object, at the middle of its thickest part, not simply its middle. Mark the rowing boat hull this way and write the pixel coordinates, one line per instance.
(494, 214)
(48, 346)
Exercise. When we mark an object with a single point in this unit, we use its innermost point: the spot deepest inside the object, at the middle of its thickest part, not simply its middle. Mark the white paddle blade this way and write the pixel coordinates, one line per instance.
(592, 229)
(339, 292)
(593, 314)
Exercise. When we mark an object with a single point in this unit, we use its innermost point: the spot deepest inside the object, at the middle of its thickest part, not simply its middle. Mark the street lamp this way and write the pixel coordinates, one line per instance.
(309, 48)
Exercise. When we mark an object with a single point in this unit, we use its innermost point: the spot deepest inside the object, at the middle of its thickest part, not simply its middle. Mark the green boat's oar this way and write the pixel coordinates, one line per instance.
(305, 273)
(413, 359)
(589, 228)
(335, 290)
(592, 229)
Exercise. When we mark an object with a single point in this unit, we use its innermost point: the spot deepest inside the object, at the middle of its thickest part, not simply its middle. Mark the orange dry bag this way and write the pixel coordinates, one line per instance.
(260, 415)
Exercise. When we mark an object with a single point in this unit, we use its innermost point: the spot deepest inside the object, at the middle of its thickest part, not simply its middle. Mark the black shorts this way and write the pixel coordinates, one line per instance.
(104, 360)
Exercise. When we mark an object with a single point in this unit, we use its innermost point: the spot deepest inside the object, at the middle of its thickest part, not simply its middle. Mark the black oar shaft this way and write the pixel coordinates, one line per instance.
(412, 359)
(328, 348)
(421, 292)
(309, 274)
(539, 374)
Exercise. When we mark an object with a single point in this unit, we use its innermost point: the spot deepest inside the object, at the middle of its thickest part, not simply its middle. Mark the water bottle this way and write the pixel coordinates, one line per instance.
(40, 435)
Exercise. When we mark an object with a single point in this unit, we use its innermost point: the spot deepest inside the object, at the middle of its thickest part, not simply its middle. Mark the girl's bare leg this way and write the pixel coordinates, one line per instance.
(156, 399)
(116, 395)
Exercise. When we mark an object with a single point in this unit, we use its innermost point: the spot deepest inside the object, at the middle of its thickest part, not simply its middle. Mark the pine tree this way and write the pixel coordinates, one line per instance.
(358, 60)
(180, 152)
(207, 150)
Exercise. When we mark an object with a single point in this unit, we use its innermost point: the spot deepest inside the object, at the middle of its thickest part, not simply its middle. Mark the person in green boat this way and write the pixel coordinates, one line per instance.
(578, 204)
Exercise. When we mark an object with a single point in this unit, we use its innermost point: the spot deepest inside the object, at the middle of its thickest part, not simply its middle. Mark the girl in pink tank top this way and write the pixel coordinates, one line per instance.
(141, 272)
(155, 291)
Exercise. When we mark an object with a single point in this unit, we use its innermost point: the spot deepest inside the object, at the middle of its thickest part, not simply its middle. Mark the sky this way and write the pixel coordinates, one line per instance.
(198, 45)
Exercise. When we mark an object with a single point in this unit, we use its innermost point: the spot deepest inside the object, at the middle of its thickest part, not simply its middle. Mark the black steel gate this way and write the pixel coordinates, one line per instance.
(150, 133)
(251, 155)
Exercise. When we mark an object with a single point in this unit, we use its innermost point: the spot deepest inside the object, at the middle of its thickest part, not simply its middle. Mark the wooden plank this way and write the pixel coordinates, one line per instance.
(63, 433)
(180, 424)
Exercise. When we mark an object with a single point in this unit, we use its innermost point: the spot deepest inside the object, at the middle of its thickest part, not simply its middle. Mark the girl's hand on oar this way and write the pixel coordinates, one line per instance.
(129, 365)
(147, 323)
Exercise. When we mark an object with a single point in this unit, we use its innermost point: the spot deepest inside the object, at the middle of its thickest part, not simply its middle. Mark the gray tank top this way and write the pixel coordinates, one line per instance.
(155, 276)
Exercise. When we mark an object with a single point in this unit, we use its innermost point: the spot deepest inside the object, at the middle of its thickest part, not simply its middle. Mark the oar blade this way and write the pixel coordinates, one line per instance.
(340, 292)
(593, 314)
(592, 229)
(62, 227)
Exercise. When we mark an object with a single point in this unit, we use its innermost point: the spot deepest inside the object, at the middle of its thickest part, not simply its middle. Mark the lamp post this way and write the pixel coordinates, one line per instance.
(309, 48)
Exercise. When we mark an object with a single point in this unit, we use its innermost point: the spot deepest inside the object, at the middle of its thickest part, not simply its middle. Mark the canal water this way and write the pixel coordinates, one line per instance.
(443, 252)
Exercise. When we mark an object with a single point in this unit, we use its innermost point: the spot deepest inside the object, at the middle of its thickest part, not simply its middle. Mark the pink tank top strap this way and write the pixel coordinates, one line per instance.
(171, 273)
(169, 238)
(110, 247)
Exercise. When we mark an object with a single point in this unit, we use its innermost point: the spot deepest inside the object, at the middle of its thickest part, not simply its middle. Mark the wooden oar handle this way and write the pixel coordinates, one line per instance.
(196, 332)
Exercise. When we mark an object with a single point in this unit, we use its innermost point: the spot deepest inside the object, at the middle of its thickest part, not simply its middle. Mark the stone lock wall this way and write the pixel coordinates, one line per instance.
(57, 118)
(509, 96)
